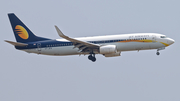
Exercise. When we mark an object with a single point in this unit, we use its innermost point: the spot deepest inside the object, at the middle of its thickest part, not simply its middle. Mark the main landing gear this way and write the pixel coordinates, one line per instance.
(92, 57)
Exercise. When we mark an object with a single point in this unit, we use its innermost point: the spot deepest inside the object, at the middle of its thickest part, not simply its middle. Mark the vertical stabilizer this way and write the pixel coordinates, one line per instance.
(21, 31)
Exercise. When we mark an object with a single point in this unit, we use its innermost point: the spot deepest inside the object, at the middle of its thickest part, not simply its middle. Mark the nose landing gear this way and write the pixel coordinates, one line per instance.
(157, 53)
(92, 57)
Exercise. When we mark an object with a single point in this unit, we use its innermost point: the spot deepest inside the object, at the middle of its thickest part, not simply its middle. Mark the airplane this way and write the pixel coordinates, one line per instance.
(109, 45)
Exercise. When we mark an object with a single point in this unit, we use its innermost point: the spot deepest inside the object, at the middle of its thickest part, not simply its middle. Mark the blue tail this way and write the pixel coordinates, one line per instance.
(21, 31)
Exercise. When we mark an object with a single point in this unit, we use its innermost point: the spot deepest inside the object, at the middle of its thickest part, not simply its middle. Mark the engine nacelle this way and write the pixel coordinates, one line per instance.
(108, 49)
(113, 54)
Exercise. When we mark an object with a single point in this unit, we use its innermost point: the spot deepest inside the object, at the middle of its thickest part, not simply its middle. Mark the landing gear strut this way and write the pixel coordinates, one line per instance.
(92, 57)
(162, 48)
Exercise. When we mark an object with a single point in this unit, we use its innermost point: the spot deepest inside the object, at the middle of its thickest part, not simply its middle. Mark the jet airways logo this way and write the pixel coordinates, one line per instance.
(21, 31)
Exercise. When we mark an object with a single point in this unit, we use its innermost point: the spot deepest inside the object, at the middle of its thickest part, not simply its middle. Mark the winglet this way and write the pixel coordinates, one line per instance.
(59, 32)
(74, 40)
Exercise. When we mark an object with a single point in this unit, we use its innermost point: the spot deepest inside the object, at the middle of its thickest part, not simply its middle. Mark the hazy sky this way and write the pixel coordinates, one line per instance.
(134, 76)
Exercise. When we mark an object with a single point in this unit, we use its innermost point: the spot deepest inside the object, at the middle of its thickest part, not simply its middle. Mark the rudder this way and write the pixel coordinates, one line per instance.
(21, 31)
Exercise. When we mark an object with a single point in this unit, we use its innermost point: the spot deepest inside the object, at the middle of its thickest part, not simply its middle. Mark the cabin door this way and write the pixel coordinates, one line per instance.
(153, 38)
(39, 47)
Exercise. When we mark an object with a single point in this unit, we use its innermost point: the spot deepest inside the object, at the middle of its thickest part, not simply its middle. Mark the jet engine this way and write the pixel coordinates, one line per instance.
(108, 49)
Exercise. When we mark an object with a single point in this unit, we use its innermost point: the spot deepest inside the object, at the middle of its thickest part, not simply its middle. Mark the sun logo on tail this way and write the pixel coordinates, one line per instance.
(21, 31)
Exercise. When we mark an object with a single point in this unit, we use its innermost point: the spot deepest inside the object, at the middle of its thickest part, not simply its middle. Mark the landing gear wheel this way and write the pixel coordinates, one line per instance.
(92, 58)
(157, 53)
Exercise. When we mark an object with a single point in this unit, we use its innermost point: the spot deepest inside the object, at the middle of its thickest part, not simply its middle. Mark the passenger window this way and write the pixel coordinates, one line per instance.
(163, 36)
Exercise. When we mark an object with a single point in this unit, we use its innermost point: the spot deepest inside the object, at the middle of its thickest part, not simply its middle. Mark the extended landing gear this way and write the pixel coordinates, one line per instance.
(157, 53)
(92, 57)
(162, 48)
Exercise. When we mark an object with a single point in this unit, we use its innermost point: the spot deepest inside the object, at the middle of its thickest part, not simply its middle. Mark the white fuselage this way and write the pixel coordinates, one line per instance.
(125, 42)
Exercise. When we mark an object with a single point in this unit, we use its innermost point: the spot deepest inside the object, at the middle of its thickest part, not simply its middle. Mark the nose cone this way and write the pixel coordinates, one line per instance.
(170, 41)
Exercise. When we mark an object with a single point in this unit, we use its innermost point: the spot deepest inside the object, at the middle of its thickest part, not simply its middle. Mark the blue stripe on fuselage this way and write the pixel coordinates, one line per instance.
(55, 43)
(43, 44)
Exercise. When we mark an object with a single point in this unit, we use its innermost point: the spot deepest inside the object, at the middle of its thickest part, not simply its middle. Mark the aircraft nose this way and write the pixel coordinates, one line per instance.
(170, 41)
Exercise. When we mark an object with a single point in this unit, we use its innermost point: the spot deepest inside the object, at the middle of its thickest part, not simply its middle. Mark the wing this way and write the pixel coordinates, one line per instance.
(82, 45)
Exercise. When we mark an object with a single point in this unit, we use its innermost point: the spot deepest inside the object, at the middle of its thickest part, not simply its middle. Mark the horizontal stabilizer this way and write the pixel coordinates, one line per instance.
(16, 43)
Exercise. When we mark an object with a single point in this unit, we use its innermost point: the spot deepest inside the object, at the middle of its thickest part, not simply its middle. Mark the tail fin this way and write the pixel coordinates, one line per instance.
(21, 31)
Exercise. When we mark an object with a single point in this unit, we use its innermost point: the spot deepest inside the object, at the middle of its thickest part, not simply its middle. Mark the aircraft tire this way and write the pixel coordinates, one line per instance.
(157, 53)
(90, 57)
(93, 59)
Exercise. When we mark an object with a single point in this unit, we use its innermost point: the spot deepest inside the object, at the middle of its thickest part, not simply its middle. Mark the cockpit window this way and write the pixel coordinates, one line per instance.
(163, 36)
